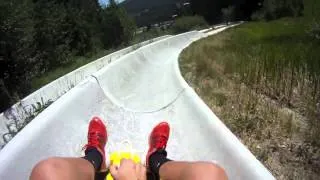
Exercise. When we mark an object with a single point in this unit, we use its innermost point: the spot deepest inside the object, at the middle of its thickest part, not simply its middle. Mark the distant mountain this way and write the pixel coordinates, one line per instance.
(148, 12)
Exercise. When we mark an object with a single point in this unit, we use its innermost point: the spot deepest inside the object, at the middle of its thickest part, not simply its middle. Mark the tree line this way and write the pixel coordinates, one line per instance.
(245, 9)
(37, 36)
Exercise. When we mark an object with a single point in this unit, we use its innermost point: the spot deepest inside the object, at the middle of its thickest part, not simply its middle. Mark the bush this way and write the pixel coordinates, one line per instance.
(40, 37)
(275, 9)
(228, 14)
(5, 98)
(117, 27)
(187, 23)
(311, 9)
(258, 16)
(315, 31)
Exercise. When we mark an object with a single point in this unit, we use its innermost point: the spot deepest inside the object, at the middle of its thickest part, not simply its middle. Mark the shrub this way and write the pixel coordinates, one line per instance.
(228, 14)
(187, 23)
(315, 31)
(5, 98)
(275, 9)
(258, 15)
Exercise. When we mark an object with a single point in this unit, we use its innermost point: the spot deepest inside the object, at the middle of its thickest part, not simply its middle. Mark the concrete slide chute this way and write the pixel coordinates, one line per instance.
(132, 95)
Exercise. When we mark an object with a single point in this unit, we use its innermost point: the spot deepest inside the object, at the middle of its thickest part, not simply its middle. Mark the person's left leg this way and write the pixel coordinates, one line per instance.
(86, 168)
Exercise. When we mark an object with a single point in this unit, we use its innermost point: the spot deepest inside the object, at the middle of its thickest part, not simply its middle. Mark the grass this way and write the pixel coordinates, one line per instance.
(50, 76)
(262, 80)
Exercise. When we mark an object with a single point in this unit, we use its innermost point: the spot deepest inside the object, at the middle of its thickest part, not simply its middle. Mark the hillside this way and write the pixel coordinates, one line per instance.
(254, 79)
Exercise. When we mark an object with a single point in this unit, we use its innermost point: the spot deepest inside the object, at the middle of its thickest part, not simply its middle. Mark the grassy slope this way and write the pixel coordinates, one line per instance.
(50, 76)
(262, 80)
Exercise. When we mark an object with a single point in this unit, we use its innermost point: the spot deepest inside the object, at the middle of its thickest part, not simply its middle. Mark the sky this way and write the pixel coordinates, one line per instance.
(105, 2)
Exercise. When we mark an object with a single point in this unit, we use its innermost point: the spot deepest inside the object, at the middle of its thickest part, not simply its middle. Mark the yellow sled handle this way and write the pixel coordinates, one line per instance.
(116, 157)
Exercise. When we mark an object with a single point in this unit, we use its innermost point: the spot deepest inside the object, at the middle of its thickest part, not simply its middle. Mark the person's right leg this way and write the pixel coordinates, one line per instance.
(167, 169)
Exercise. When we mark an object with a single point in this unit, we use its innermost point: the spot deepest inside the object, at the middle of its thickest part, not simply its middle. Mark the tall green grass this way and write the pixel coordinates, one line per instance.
(262, 80)
(278, 59)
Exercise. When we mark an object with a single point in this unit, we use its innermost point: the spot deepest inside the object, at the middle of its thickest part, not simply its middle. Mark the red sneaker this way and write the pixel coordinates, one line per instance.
(97, 138)
(158, 139)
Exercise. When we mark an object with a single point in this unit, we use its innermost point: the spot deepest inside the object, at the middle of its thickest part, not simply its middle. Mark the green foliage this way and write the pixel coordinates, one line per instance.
(258, 15)
(315, 31)
(147, 12)
(54, 74)
(311, 12)
(187, 23)
(128, 26)
(117, 26)
(15, 46)
(64, 30)
(270, 75)
(228, 13)
(311, 9)
(274, 9)
(4, 96)
(279, 45)
(211, 10)
(277, 59)
(40, 36)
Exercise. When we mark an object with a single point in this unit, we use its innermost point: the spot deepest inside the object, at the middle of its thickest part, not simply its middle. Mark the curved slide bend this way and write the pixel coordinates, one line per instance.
(132, 95)
(55, 89)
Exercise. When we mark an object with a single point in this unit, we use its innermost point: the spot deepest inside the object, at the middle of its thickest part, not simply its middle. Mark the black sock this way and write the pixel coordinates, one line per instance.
(100, 175)
(94, 157)
(156, 160)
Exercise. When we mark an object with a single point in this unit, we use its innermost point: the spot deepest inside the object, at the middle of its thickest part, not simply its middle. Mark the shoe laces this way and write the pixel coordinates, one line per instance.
(94, 140)
(160, 142)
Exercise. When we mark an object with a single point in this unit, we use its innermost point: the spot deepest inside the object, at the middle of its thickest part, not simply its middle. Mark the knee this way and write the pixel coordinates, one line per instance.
(44, 168)
(204, 171)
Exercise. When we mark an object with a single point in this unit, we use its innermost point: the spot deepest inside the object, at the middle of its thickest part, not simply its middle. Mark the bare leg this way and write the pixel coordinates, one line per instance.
(191, 170)
(86, 168)
(63, 169)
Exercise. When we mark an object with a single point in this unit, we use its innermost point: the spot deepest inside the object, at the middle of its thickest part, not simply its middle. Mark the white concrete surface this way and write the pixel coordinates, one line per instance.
(132, 95)
(213, 28)
(60, 86)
